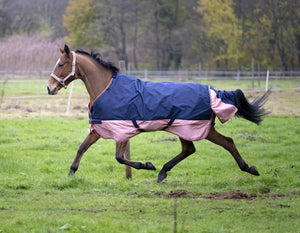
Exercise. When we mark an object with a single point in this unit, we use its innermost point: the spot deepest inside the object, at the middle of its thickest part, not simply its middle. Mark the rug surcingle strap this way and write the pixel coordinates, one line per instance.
(137, 126)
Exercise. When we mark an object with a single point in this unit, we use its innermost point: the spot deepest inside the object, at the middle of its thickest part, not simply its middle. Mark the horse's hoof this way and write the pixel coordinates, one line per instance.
(71, 172)
(150, 166)
(253, 170)
(161, 176)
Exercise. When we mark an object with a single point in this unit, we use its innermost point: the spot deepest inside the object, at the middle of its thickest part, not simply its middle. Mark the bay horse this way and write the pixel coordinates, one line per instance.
(101, 78)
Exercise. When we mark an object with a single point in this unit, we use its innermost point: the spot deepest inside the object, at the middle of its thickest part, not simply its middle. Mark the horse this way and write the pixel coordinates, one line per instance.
(99, 77)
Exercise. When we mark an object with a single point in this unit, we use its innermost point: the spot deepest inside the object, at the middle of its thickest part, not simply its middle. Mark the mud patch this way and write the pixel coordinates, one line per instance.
(231, 195)
(181, 193)
(239, 195)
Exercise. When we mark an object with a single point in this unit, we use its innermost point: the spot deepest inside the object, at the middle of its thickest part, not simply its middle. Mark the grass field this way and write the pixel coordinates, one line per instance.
(205, 193)
(37, 196)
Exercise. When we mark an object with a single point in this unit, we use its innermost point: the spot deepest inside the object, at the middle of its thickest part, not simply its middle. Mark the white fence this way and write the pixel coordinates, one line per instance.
(185, 75)
(19, 87)
(178, 75)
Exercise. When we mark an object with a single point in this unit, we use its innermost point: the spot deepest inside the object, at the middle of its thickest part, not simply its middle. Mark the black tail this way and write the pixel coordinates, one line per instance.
(251, 111)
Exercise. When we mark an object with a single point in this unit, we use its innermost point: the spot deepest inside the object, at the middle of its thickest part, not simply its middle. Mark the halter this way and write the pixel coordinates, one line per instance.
(62, 81)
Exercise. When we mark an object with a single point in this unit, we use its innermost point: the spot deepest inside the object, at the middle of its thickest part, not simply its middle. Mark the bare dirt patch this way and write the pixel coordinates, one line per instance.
(181, 193)
(239, 195)
(44, 106)
(232, 195)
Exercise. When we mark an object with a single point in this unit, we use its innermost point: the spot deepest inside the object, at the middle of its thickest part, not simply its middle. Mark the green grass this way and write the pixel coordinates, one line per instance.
(36, 195)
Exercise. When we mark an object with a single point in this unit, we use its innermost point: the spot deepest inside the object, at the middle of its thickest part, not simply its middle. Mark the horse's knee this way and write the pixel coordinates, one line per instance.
(190, 150)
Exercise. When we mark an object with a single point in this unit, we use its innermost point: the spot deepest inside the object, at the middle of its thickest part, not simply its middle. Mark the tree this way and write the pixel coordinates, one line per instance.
(118, 24)
(50, 14)
(285, 17)
(270, 31)
(169, 33)
(256, 32)
(167, 25)
(80, 14)
(222, 32)
(32, 17)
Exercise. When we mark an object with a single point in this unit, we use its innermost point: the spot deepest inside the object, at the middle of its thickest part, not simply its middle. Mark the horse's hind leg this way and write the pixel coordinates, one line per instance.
(228, 144)
(120, 150)
(187, 149)
(90, 140)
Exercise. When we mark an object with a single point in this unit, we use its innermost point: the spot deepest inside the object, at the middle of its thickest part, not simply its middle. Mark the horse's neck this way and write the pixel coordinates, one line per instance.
(95, 77)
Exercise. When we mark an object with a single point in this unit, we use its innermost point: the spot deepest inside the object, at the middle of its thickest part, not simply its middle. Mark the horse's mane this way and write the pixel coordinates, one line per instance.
(97, 57)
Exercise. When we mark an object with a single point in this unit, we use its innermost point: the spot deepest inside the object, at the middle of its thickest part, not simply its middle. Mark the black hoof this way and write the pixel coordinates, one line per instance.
(73, 169)
(161, 176)
(71, 172)
(150, 166)
(253, 170)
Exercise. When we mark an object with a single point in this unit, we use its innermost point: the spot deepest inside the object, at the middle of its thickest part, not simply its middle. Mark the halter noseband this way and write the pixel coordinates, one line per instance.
(62, 81)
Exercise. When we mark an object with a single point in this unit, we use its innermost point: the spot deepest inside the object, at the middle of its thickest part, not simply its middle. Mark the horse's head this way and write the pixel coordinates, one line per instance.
(64, 71)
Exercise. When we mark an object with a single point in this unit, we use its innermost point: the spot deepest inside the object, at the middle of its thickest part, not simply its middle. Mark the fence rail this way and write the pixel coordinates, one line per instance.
(178, 75)
(185, 75)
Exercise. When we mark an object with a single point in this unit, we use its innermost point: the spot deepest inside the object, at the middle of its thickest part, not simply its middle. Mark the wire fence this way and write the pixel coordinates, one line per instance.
(25, 95)
(171, 75)
(186, 75)
(31, 84)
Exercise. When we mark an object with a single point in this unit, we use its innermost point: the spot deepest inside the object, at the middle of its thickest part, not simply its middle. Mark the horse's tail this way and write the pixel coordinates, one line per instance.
(253, 111)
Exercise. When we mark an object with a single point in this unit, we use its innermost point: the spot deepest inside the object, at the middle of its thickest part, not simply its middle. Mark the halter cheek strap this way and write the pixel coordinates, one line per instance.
(62, 81)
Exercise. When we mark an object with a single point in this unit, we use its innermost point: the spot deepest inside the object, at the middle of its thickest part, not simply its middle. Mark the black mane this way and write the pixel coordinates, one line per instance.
(97, 57)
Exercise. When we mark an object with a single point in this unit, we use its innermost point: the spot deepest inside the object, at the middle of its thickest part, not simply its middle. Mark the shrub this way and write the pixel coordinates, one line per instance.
(29, 53)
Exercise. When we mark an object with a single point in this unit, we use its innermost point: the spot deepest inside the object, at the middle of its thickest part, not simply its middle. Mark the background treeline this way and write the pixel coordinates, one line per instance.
(167, 34)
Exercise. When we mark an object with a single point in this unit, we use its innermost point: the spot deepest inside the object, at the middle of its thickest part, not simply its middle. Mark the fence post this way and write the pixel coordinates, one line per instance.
(128, 172)
(258, 73)
(267, 80)
(252, 72)
(3, 90)
(179, 75)
(146, 75)
(200, 70)
(69, 100)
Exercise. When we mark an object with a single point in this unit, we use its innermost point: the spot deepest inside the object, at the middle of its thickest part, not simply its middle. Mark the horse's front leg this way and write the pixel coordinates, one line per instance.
(120, 150)
(90, 140)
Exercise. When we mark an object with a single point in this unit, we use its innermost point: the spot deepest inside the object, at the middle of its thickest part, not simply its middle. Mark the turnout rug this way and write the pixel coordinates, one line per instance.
(129, 106)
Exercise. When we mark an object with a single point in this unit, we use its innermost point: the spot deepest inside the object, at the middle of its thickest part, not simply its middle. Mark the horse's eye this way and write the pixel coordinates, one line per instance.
(60, 65)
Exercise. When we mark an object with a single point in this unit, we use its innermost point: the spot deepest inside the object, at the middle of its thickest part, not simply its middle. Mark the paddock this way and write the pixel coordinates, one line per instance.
(39, 140)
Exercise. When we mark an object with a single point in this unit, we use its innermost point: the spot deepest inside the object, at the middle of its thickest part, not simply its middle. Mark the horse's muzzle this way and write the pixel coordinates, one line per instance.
(52, 92)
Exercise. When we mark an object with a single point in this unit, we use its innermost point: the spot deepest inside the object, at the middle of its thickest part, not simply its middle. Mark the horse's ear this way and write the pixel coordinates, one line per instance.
(67, 50)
